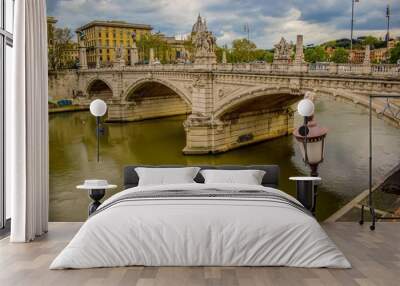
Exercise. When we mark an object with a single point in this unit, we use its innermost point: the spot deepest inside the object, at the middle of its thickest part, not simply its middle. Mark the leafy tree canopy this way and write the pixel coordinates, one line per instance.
(62, 40)
(315, 54)
(340, 56)
(244, 50)
(395, 54)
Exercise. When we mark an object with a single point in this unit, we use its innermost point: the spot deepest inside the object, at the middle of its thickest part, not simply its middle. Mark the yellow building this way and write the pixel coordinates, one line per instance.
(357, 56)
(70, 55)
(379, 55)
(103, 37)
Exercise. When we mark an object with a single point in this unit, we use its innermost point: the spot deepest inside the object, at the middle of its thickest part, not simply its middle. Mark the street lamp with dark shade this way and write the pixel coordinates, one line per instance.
(310, 136)
(312, 145)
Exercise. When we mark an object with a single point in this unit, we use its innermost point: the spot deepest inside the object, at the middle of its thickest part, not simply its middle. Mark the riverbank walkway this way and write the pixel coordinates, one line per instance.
(386, 200)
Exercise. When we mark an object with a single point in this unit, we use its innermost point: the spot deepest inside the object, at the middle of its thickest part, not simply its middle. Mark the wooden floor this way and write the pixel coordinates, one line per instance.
(375, 257)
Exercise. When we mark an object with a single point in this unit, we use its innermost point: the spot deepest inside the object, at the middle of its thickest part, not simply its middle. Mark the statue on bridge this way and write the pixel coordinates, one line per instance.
(82, 38)
(119, 60)
(283, 50)
(118, 52)
(133, 35)
(133, 52)
(82, 50)
(204, 43)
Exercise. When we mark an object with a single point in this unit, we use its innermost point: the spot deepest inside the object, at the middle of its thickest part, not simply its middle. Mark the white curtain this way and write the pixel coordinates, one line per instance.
(27, 124)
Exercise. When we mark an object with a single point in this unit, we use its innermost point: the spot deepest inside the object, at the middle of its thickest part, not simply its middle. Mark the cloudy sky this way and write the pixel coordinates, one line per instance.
(317, 20)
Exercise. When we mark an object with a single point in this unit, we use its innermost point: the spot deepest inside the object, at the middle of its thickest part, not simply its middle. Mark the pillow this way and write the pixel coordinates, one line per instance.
(248, 177)
(165, 176)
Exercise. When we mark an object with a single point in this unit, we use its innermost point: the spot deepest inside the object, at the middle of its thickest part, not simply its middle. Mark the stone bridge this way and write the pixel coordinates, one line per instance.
(229, 105)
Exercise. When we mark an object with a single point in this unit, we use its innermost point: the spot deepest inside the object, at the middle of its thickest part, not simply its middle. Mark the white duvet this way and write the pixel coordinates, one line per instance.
(202, 232)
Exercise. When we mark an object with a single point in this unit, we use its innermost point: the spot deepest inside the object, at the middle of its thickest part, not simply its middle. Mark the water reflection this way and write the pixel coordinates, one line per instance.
(160, 141)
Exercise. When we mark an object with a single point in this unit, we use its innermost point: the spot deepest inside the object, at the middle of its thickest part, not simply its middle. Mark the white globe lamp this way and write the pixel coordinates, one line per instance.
(305, 108)
(98, 108)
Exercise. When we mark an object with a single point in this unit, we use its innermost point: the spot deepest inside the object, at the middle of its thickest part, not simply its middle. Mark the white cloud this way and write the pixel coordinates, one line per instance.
(317, 20)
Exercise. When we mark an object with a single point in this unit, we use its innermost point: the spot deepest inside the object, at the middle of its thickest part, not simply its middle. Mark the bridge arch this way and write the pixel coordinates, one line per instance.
(276, 97)
(161, 84)
(99, 88)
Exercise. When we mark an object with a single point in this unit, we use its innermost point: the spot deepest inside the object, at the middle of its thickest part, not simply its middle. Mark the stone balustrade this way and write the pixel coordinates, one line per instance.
(268, 68)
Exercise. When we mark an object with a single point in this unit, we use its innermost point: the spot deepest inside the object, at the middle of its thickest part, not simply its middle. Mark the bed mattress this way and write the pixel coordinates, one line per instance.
(201, 225)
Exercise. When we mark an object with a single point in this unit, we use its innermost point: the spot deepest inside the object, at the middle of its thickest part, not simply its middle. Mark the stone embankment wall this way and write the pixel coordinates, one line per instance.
(63, 84)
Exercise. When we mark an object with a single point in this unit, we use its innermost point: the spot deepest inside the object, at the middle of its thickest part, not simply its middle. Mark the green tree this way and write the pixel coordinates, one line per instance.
(243, 50)
(62, 41)
(262, 55)
(340, 56)
(315, 54)
(395, 54)
(162, 51)
(189, 48)
(373, 42)
(369, 40)
(268, 56)
(220, 50)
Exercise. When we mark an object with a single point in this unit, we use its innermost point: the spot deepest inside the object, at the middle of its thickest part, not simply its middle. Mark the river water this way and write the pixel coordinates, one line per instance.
(160, 141)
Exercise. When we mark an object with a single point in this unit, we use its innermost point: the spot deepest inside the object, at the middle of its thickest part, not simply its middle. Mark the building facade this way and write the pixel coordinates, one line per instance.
(70, 55)
(177, 51)
(102, 38)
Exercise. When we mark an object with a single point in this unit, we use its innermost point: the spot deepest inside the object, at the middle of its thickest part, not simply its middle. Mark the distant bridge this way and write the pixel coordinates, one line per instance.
(230, 105)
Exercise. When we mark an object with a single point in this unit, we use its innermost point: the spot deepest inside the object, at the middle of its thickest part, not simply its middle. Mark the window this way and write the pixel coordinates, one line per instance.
(6, 64)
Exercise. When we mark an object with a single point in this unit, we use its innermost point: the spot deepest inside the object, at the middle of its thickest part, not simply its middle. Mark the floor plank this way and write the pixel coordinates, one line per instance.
(375, 257)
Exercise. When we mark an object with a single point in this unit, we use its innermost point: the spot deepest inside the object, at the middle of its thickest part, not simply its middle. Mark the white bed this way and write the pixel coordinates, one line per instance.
(200, 231)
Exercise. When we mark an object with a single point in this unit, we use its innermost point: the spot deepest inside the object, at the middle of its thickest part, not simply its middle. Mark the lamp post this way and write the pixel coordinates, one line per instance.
(387, 27)
(351, 28)
(98, 108)
(311, 139)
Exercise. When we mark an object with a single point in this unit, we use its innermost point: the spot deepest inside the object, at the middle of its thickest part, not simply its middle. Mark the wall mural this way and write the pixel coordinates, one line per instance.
(194, 100)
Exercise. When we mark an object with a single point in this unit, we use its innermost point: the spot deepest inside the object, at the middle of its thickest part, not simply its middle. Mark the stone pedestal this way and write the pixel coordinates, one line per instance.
(97, 59)
(367, 61)
(333, 68)
(118, 63)
(367, 56)
(205, 60)
(82, 58)
(151, 57)
(224, 57)
(134, 55)
(299, 58)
